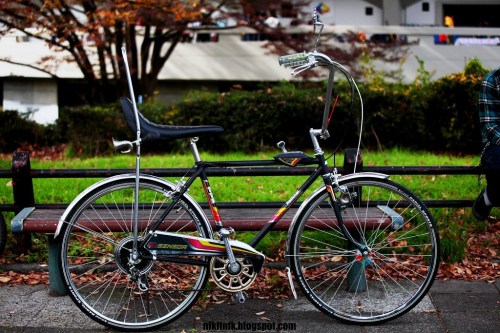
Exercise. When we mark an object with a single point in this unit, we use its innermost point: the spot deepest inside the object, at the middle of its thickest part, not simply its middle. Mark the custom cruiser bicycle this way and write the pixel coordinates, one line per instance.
(137, 251)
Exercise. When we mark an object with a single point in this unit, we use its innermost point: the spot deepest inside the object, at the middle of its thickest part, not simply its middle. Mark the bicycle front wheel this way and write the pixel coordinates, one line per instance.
(95, 260)
(384, 280)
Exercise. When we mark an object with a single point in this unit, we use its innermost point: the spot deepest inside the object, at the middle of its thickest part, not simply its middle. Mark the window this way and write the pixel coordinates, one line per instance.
(368, 11)
(425, 6)
(22, 39)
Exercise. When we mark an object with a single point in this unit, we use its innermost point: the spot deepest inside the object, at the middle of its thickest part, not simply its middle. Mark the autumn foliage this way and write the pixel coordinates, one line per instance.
(93, 32)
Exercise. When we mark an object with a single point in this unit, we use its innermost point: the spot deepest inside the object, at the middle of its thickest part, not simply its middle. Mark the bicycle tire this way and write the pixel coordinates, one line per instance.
(94, 263)
(395, 272)
(3, 234)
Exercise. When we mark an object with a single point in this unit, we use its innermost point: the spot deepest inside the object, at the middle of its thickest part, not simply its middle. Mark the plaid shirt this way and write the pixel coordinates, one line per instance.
(489, 107)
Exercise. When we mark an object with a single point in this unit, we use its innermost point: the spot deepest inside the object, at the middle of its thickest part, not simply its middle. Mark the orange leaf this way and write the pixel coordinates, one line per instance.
(4, 279)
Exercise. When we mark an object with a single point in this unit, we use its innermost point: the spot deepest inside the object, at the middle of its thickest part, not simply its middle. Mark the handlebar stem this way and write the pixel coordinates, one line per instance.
(314, 133)
(328, 102)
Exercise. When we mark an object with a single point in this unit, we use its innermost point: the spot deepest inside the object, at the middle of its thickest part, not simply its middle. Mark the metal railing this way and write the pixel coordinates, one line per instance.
(22, 176)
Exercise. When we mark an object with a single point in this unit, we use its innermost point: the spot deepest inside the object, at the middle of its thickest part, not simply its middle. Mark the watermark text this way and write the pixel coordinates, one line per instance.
(248, 326)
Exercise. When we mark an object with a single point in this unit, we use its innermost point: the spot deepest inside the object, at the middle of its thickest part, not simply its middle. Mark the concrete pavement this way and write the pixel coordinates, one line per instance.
(451, 306)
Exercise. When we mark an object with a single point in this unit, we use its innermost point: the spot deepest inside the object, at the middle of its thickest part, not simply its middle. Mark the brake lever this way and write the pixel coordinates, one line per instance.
(297, 70)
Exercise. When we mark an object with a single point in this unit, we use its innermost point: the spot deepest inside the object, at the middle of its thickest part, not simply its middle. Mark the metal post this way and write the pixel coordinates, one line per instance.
(56, 286)
(353, 161)
(24, 196)
(356, 276)
(3, 233)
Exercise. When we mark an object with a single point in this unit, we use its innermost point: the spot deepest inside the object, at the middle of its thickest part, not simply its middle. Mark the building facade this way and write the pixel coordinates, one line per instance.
(236, 56)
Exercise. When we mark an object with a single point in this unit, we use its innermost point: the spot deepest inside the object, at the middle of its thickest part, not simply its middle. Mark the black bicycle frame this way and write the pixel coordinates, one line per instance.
(199, 171)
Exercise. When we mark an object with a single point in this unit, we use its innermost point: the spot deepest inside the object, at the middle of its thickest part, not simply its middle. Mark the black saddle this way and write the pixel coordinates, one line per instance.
(154, 132)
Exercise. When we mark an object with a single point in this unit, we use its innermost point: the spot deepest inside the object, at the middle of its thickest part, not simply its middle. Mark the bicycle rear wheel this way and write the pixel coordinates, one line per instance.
(383, 282)
(95, 254)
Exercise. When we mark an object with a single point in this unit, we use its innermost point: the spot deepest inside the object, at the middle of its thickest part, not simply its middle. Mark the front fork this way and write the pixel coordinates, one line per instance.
(331, 182)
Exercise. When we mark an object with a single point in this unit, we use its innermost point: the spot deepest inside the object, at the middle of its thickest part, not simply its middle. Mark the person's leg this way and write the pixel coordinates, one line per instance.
(490, 196)
(491, 160)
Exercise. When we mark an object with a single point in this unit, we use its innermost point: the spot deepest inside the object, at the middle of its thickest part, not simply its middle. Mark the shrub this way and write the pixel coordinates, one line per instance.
(17, 131)
(451, 117)
(257, 120)
(391, 118)
(424, 115)
(89, 130)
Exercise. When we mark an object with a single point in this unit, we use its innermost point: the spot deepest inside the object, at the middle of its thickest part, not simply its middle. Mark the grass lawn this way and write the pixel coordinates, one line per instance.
(454, 224)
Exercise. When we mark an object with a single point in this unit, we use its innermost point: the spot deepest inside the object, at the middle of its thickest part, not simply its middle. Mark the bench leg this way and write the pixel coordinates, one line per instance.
(356, 277)
(56, 286)
(23, 243)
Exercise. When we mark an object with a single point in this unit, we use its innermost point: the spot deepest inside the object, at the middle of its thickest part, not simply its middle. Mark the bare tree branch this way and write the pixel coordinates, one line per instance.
(30, 66)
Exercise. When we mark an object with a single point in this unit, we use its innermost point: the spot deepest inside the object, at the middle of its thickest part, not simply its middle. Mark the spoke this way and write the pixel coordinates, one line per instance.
(97, 242)
(373, 286)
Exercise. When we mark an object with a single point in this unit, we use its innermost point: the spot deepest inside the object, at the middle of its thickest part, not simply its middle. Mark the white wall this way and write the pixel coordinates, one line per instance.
(36, 97)
(415, 16)
(349, 12)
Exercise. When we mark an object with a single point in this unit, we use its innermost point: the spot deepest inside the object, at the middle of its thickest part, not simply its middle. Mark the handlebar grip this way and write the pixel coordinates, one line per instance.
(293, 60)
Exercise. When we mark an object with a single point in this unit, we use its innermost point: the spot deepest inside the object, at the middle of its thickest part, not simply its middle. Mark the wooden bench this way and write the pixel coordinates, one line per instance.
(31, 220)
(240, 219)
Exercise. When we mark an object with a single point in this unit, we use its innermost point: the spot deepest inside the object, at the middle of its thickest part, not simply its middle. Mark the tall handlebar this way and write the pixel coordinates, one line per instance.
(304, 61)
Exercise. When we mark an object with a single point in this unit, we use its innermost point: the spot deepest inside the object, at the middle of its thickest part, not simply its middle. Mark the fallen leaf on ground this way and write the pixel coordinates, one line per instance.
(4, 279)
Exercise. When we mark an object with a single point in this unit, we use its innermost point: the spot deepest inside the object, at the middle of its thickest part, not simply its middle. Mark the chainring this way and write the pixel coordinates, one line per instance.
(232, 282)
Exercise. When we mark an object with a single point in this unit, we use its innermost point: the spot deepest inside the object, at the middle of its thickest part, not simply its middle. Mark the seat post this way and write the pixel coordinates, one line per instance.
(194, 149)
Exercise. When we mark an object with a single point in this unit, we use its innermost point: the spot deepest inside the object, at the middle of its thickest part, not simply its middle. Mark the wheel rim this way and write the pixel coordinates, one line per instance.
(95, 263)
(396, 268)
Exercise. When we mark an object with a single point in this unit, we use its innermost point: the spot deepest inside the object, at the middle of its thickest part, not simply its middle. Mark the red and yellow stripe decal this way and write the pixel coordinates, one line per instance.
(329, 189)
(278, 215)
(211, 203)
(215, 213)
(206, 245)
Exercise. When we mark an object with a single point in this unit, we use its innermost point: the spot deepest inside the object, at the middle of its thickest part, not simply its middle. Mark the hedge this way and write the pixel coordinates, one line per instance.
(436, 115)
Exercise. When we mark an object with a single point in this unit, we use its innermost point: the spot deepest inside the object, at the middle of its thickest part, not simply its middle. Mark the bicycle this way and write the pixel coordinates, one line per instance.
(136, 250)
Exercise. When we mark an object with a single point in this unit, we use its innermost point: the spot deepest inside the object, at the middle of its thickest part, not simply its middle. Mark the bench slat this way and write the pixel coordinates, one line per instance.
(248, 219)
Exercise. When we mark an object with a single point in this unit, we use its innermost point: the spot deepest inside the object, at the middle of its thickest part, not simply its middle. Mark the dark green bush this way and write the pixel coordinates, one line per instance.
(17, 131)
(441, 115)
(89, 129)
(253, 121)
(391, 118)
(452, 115)
(428, 115)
